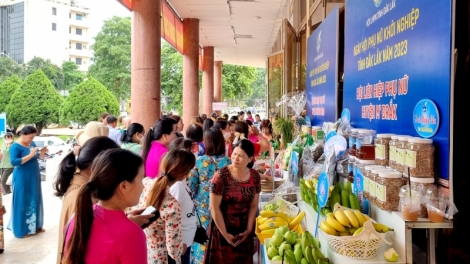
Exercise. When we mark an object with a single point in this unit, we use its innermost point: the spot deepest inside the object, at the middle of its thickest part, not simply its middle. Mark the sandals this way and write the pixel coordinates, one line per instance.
(40, 230)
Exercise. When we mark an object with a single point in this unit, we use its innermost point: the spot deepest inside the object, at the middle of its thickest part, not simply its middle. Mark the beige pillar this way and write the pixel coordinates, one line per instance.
(190, 69)
(208, 81)
(218, 83)
(145, 62)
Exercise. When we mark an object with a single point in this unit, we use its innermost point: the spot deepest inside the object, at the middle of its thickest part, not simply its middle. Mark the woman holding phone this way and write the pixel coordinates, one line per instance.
(234, 203)
(168, 238)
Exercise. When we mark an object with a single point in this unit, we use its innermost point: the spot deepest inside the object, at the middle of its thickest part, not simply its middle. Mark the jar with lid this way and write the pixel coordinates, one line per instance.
(422, 184)
(365, 149)
(388, 186)
(372, 178)
(382, 143)
(400, 154)
(420, 157)
(366, 175)
(352, 142)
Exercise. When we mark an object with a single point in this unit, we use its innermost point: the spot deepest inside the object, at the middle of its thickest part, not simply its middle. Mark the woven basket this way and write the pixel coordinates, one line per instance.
(366, 245)
(267, 186)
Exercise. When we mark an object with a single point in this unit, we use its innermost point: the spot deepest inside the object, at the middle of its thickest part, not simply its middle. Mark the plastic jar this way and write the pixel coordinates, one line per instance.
(422, 184)
(420, 157)
(360, 167)
(400, 154)
(365, 149)
(352, 142)
(373, 176)
(388, 186)
(366, 175)
(382, 149)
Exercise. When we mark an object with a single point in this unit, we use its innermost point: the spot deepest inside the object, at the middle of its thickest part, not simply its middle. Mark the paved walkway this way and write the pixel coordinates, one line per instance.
(40, 248)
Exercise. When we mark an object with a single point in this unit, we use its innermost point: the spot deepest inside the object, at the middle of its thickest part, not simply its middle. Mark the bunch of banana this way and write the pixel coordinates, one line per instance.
(269, 221)
(348, 222)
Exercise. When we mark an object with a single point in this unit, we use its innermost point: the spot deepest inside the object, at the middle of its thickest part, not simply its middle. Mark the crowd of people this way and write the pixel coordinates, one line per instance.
(157, 195)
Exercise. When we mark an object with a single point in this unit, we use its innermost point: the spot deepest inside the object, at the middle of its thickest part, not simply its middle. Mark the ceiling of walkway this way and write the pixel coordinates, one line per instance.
(242, 31)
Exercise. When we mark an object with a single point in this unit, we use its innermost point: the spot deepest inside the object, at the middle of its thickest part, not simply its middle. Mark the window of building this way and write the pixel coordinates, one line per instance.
(78, 61)
(78, 46)
(78, 31)
(54, 27)
(78, 17)
(54, 11)
(70, 30)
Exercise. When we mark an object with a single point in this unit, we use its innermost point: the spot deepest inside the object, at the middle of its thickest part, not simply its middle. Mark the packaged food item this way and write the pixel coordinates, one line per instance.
(382, 149)
(367, 175)
(365, 149)
(373, 184)
(388, 185)
(392, 149)
(420, 157)
(410, 202)
(422, 184)
(400, 154)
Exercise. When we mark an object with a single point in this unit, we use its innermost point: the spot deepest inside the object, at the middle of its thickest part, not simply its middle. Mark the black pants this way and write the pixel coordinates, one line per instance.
(6, 173)
(185, 259)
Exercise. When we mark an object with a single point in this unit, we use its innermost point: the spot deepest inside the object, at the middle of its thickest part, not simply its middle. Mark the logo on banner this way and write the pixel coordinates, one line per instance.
(377, 3)
(318, 41)
(426, 118)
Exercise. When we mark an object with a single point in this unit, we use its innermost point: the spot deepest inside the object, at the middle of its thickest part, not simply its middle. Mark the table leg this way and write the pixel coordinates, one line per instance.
(431, 245)
(408, 245)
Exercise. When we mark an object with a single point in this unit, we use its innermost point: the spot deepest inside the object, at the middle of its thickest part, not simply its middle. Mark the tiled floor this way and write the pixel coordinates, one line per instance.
(40, 248)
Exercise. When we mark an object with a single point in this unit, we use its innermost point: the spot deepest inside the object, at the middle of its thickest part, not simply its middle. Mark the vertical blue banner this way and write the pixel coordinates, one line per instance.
(322, 71)
(398, 52)
(3, 124)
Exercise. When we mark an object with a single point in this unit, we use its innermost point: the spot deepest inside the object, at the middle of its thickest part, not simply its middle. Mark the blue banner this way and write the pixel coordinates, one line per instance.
(3, 124)
(398, 52)
(322, 71)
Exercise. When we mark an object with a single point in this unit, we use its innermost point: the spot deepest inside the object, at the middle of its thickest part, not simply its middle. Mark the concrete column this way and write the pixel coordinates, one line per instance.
(218, 83)
(145, 62)
(190, 69)
(208, 81)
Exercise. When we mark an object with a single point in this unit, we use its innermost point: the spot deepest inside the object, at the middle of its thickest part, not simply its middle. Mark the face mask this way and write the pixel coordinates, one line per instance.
(227, 135)
(8, 141)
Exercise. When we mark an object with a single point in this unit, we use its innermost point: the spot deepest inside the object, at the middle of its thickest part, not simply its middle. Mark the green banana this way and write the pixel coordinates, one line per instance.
(303, 261)
(298, 254)
(304, 242)
(354, 202)
(314, 242)
(335, 198)
(338, 187)
(347, 186)
(345, 198)
(290, 255)
(309, 255)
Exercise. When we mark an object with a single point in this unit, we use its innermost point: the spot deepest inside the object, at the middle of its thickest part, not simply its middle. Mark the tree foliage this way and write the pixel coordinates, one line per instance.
(86, 102)
(35, 102)
(7, 89)
(259, 87)
(53, 72)
(72, 76)
(112, 56)
(237, 81)
(9, 67)
(172, 77)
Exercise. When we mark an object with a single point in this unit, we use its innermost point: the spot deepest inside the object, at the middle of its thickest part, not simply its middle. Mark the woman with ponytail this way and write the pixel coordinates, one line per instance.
(131, 138)
(168, 238)
(102, 233)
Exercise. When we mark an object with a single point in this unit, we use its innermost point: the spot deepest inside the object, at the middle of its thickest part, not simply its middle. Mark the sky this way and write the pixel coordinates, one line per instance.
(102, 10)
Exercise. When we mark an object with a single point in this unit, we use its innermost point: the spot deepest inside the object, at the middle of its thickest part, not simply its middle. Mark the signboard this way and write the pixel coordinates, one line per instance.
(322, 71)
(3, 124)
(219, 106)
(172, 28)
(393, 59)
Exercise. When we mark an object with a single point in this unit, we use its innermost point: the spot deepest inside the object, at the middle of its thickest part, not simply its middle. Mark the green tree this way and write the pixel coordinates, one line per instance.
(35, 102)
(259, 88)
(7, 89)
(72, 76)
(86, 102)
(172, 76)
(112, 56)
(236, 81)
(9, 67)
(53, 72)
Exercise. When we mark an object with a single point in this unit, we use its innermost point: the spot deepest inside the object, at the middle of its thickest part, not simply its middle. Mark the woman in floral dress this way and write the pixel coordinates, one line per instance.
(234, 203)
(164, 236)
(199, 183)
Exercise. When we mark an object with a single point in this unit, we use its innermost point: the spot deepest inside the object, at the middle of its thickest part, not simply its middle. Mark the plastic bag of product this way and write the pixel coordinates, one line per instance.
(438, 205)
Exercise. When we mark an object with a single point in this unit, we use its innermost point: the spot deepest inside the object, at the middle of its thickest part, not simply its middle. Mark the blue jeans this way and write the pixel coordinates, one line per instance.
(185, 259)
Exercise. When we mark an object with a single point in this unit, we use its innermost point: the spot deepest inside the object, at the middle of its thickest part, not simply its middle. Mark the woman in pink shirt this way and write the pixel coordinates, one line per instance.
(104, 233)
(156, 144)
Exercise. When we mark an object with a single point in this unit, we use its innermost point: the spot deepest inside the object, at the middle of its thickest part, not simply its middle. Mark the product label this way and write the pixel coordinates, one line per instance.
(366, 184)
(380, 192)
(391, 153)
(379, 151)
(372, 186)
(400, 156)
(410, 159)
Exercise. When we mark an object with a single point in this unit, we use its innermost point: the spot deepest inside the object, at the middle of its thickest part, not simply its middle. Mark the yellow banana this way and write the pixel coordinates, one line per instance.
(352, 218)
(358, 231)
(269, 231)
(381, 228)
(261, 220)
(328, 229)
(366, 217)
(271, 225)
(297, 220)
(340, 233)
(359, 217)
(270, 214)
(342, 219)
(330, 214)
(331, 221)
(309, 184)
(276, 219)
(352, 230)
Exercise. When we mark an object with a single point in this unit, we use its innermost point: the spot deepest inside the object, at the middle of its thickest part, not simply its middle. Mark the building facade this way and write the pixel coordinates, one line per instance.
(51, 29)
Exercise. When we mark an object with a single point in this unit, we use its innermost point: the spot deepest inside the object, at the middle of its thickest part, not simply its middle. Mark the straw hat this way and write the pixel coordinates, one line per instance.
(92, 129)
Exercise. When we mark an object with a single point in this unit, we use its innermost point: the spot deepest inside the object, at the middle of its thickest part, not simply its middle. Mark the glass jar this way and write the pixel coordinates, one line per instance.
(373, 176)
(422, 184)
(365, 149)
(359, 174)
(366, 175)
(352, 142)
(392, 149)
(400, 154)
(382, 143)
(420, 157)
(388, 186)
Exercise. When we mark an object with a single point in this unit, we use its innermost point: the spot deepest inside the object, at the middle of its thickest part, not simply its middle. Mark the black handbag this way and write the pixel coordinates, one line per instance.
(201, 233)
